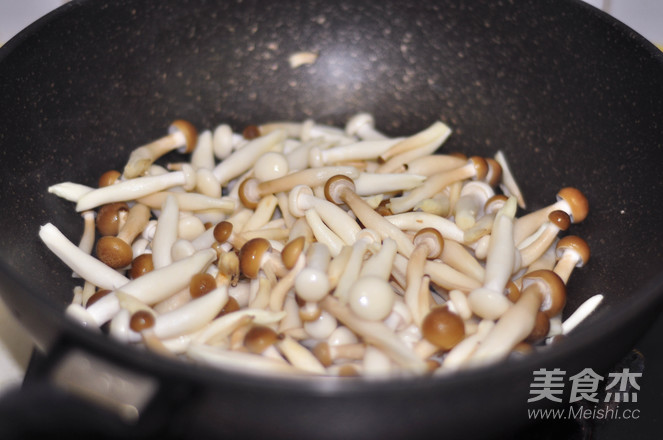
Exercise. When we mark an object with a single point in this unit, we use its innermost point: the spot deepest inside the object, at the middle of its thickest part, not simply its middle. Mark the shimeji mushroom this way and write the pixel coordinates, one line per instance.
(366, 239)
(469, 206)
(433, 164)
(420, 144)
(189, 201)
(340, 189)
(509, 185)
(329, 354)
(443, 328)
(362, 125)
(572, 251)
(251, 190)
(116, 251)
(530, 250)
(428, 245)
(323, 233)
(111, 217)
(368, 184)
(569, 200)
(312, 282)
(489, 300)
(542, 290)
(415, 221)
(257, 255)
(136, 188)
(243, 159)
(166, 233)
(475, 167)
(182, 135)
(362, 150)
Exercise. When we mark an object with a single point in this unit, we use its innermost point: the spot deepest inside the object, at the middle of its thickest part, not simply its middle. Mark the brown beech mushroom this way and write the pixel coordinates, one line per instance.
(531, 250)
(116, 251)
(572, 251)
(428, 244)
(110, 217)
(256, 255)
(542, 290)
(182, 135)
(443, 328)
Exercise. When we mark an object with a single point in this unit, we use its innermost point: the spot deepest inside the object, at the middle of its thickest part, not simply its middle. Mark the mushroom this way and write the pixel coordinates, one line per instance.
(166, 233)
(542, 290)
(299, 356)
(475, 167)
(340, 189)
(530, 250)
(182, 135)
(202, 156)
(86, 243)
(362, 150)
(69, 191)
(329, 354)
(569, 200)
(251, 190)
(428, 245)
(256, 255)
(420, 144)
(111, 217)
(365, 239)
(312, 282)
(509, 186)
(243, 159)
(489, 300)
(116, 251)
(434, 164)
(188, 201)
(368, 184)
(572, 251)
(415, 221)
(133, 189)
(362, 125)
(469, 206)
(323, 233)
(443, 328)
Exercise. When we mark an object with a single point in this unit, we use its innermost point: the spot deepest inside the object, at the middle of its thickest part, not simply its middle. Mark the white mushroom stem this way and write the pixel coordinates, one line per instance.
(262, 214)
(415, 221)
(86, 243)
(457, 256)
(373, 183)
(530, 250)
(189, 201)
(299, 356)
(241, 160)
(223, 140)
(351, 273)
(284, 285)
(433, 185)
(449, 278)
(470, 204)
(165, 233)
(581, 313)
(458, 356)
(434, 164)
(207, 184)
(69, 191)
(509, 185)
(226, 324)
(377, 334)
(324, 234)
(363, 150)
(191, 316)
(133, 189)
(82, 263)
(142, 157)
(301, 199)
(202, 157)
(240, 361)
(489, 301)
(420, 144)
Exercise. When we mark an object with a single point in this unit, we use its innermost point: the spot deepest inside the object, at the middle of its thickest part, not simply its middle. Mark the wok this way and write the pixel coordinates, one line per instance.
(573, 98)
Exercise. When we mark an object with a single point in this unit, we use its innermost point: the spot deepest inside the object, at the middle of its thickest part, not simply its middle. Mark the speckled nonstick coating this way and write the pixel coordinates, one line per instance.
(571, 96)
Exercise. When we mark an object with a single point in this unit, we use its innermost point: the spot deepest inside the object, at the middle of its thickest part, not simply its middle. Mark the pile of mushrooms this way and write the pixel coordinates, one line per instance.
(310, 249)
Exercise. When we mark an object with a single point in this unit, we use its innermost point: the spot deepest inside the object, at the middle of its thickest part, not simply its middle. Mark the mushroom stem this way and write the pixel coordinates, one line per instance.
(351, 273)
(421, 144)
(363, 150)
(368, 184)
(532, 250)
(415, 221)
(165, 233)
(188, 201)
(362, 125)
(509, 185)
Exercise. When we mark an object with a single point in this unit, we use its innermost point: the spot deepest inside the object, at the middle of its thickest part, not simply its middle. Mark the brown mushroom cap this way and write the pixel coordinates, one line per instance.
(575, 244)
(541, 328)
(494, 203)
(433, 239)
(322, 352)
(189, 131)
(443, 328)
(335, 187)
(259, 338)
(560, 219)
(244, 191)
(96, 296)
(141, 320)
(251, 132)
(480, 166)
(222, 231)
(250, 256)
(201, 284)
(231, 306)
(141, 265)
(108, 217)
(114, 252)
(109, 178)
(512, 291)
(577, 201)
(292, 251)
(494, 175)
(552, 289)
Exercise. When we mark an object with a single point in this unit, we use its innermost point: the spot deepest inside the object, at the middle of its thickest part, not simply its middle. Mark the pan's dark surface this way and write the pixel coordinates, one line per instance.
(572, 97)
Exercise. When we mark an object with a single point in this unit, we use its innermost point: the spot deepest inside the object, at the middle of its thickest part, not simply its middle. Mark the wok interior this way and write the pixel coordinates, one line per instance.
(571, 98)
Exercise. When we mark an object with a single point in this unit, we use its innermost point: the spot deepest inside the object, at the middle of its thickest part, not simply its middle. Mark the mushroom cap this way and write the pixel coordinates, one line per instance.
(251, 254)
(577, 201)
(114, 252)
(270, 165)
(480, 166)
(573, 243)
(443, 328)
(141, 320)
(433, 239)
(560, 219)
(231, 306)
(541, 328)
(222, 231)
(188, 130)
(248, 193)
(512, 291)
(291, 252)
(371, 298)
(108, 217)
(494, 203)
(108, 178)
(294, 204)
(323, 353)
(494, 175)
(201, 284)
(259, 338)
(251, 132)
(312, 284)
(335, 187)
(141, 265)
(552, 289)
(96, 296)
(357, 122)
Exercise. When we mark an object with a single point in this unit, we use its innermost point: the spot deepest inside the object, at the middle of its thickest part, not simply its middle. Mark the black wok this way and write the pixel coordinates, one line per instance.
(573, 97)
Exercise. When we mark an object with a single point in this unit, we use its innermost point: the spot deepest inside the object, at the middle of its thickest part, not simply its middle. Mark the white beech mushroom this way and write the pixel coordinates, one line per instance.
(428, 245)
(165, 233)
(182, 135)
(362, 125)
(420, 144)
(469, 206)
